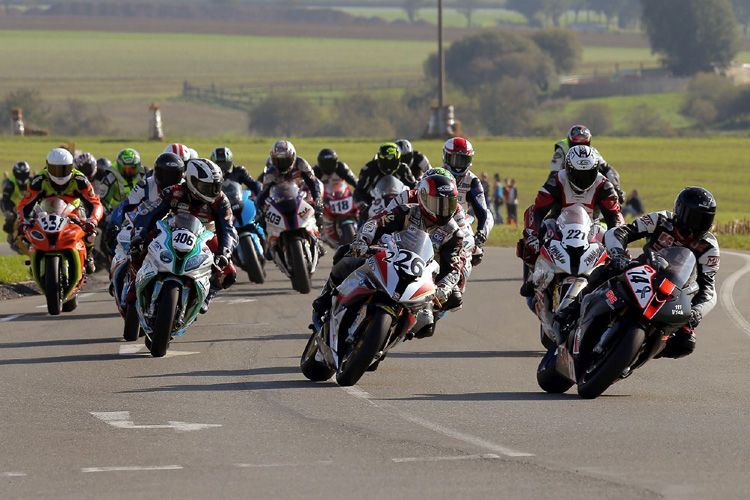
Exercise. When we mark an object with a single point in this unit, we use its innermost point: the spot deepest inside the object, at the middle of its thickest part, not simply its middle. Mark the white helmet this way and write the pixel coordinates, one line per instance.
(203, 179)
(180, 150)
(582, 166)
(60, 166)
(283, 155)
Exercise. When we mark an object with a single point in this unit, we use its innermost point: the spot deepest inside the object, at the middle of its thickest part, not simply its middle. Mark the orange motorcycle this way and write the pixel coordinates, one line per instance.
(57, 252)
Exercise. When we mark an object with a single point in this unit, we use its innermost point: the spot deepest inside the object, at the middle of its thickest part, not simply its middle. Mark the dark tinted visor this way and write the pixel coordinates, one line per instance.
(129, 171)
(388, 166)
(224, 165)
(696, 223)
(209, 189)
(582, 179)
(459, 162)
(283, 164)
(167, 177)
(60, 170)
(327, 165)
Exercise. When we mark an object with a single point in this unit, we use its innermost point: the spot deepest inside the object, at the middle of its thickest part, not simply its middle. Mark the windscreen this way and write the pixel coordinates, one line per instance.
(415, 241)
(284, 191)
(187, 221)
(388, 185)
(682, 264)
(573, 215)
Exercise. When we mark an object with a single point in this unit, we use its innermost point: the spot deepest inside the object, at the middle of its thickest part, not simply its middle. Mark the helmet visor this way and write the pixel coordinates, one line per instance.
(208, 189)
(582, 179)
(224, 165)
(695, 223)
(128, 171)
(167, 177)
(441, 208)
(283, 164)
(327, 165)
(388, 166)
(60, 170)
(459, 162)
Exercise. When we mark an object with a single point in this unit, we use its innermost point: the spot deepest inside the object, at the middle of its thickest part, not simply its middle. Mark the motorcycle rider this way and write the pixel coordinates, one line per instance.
(386, 162)
(580, 135)
(580, 183)
(199, 195)
(59, 178)
(86, 164)
(329, 166)
(415, 160)
(121, 179)
(224, 158)
(168, 171)
(180, 150)
(434, 213)
(14, 188)
(457, 157)
(688, 226)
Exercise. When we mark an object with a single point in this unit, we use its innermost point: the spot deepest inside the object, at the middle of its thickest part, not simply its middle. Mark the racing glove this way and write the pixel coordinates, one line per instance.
(480, 238)
(619, 260)
(358, 247)
(476, 259)
(695, 318)
(89, 226)
(23, 226)
(221, 261)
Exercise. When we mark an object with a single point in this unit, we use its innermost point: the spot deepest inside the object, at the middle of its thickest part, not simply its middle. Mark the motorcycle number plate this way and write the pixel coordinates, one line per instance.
(341, 206)
(52, 223)
(640, 280)
(183, 241)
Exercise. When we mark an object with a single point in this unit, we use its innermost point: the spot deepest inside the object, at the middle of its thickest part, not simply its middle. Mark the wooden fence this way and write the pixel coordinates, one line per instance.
(741, 226)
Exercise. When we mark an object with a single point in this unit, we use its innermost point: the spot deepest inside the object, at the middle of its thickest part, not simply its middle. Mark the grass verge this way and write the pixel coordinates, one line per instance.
(13, 269)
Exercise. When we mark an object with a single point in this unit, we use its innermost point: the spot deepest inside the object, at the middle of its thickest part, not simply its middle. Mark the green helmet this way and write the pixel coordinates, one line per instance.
(128, 163)
(438, 171)
(223, 157)
(389, 158)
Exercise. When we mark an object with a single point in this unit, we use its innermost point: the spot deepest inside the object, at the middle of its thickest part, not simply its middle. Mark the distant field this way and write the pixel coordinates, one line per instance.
(451, 17)
(658, 168)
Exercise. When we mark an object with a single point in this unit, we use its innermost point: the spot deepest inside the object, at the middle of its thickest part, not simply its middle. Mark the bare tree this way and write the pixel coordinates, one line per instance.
(467, 8)
(412, 8)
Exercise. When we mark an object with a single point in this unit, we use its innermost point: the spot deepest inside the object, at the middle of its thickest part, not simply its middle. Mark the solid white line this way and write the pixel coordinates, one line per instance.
(727, 293)
(437, 428)
(130, 349)
(270, 465)
(129, 468)
(483, 456)
(13, 474)
(10, 318)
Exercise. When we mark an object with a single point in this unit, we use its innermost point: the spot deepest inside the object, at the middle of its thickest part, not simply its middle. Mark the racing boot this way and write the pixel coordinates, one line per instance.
(211, 294)
(321, 306)
(567, 319)
(90, 265)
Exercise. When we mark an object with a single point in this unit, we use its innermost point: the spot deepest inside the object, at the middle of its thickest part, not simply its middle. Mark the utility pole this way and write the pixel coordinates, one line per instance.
(441, 57)
(442, 122)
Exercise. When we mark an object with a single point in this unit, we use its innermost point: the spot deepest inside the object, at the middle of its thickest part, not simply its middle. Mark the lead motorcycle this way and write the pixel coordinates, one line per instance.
(292, 234)
(623, 324)
(376, 308)
(174, 280)
(572, 249)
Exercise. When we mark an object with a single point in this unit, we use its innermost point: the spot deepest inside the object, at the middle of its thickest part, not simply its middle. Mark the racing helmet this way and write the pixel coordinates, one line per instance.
(694, 213)
(179, 149)
(579, 135)
(168, 170)
(438, 198)
(388, 158)
(203, 179)
(283, 156)
(22, 172)
(582, 166)
(407, 150)
(328, 160)
(457, 155)
(224, 158)
(128, 163)
(60, 167)
(86, 164)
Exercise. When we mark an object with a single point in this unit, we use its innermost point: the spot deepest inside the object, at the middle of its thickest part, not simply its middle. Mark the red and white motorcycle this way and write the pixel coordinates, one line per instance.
(339, 214)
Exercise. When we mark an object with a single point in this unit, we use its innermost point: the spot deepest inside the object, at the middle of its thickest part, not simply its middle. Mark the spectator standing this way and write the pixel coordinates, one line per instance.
(633, 206)
(510, 196)
(498, 200)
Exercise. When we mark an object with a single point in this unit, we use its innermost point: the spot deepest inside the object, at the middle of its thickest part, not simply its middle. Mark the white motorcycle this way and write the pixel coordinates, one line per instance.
(292, 234)
(174, 280)
(387, 189)
(572, 249)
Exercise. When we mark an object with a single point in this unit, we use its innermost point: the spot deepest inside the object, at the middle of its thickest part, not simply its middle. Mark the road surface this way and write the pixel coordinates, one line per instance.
(227, 413)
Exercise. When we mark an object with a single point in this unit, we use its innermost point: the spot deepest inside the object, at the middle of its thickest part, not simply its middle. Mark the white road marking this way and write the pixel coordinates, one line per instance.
(230, 301)
(271, 465)
(484, 456)
(140, 350)
(437, 428)
(129, 468)
(84, 295)
(727, 293)
(13, 474)
(10, 318)
(121, 420)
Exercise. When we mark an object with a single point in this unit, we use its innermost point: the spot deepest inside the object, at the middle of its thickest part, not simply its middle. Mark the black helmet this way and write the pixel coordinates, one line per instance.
(389, 158)
(233, 191)
(223, 157)
(22, 171)
(86, 164)
(327, 160)
(694, 212)
(407, 151)
(168, 170)
(104, 163)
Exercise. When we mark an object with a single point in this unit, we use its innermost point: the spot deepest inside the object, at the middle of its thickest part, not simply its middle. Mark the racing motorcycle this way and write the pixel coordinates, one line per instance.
(174, 280)
(119, 272)
(572, 249)
(57, 252)
(292, 234)
(340, 214)
(623, 324)
(385, 191)
(248, 254)
(379, 305)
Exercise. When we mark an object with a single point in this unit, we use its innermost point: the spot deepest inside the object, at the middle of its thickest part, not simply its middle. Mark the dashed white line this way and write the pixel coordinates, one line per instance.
(437, 428)
(272, 465)
(140, 350)
(10, 318)
(131, 468)
(727, 293)
(483, 456)
(13, 474)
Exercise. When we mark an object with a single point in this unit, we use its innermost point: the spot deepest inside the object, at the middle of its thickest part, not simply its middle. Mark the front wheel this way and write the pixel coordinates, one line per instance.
(132, 329)
(165, 315)
(53, 284)
(348, 232)
(362, 353)
(295, 257)
(251, 262)
(604, 371)
(313, 369)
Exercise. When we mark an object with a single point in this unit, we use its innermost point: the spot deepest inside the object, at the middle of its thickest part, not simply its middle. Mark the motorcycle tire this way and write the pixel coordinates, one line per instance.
(252, 262)
(52, 284)
(348, 232)
(617, 358)
(548, 379)
(132, 327)
(295, 256)
(71, 304)
(362, 353)
(311, 368)
(547, 342)
(165, 315)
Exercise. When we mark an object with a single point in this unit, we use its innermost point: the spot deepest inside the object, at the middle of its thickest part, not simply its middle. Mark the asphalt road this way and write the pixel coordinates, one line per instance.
(456, 415)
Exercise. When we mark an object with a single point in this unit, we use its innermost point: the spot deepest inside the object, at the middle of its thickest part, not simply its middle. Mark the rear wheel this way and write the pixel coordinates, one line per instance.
(166, 311)
(355, 364)
(313, 369)
(251, 262)
(295, 256)
(71, 304)
(52, 284)
(604, 371)
(132, 328)
(348, 232)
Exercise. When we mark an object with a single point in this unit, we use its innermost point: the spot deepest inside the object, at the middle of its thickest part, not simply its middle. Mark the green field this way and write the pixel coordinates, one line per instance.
(452, 18)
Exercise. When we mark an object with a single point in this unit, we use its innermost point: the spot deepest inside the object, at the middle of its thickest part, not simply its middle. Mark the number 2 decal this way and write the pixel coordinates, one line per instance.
(575, 234)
